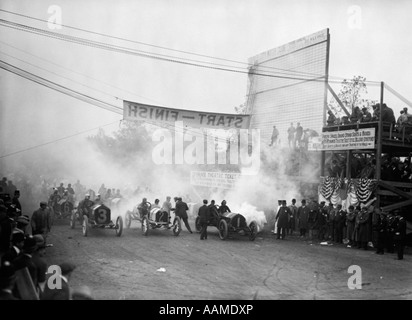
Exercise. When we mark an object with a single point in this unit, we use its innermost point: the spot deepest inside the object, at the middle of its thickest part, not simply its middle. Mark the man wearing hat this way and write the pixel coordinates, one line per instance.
(22, 222)
(274, 138)
(283, 219)
(17, 243)
(7, 281)
(64, 292)
(40, 262)
(3, 185)
(366, 115)
(6, 227)
(303, 216)
(381, 227)
(399, 235)
(24, 259)
(41, 220)
(16, 202)
(85, 205)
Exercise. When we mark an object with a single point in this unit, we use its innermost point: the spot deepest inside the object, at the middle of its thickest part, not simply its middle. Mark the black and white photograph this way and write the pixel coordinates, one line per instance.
(205, 155)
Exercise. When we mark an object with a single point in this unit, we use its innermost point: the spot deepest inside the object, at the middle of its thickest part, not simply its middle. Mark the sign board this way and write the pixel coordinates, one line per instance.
(348, 139)
(224, 180)
(196, 119)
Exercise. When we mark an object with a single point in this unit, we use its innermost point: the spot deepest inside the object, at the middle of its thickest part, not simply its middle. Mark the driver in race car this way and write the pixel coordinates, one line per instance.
(214, 213)
(85, 205)
(54, 198)
(144, 208)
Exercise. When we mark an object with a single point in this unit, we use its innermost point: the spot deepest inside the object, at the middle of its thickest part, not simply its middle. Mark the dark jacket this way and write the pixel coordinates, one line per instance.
(181, 208)
(204, 214)
(303, 216)
(283, 217)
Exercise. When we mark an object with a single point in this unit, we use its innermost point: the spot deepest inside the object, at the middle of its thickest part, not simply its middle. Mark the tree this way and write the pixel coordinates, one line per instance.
(352, 94)
(131, 140)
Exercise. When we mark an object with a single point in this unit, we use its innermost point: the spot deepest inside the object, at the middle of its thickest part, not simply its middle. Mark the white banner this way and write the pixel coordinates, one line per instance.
(195, 119)
(348, 139)
(224, 180)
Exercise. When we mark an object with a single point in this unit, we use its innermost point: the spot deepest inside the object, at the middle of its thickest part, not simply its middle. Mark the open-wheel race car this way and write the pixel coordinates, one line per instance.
(97, 216)
(153, 218)
(230, 222)
(63, 209)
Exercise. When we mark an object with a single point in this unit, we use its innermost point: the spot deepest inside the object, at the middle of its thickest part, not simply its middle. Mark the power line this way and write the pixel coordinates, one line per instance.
(108, 47)
(99, 103)
(79, 73)
(55, 140)
(166, 48)
(62, 89)
(84, 85)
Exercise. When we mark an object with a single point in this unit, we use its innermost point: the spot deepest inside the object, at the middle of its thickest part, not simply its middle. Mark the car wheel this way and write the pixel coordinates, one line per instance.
(128, 219)
(119, 226)
(177, 226)
(223, 229)
(253, 229)
(85, 225)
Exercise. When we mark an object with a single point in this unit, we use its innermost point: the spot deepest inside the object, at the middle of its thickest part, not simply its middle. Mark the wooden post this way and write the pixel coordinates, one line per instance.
(379, 146)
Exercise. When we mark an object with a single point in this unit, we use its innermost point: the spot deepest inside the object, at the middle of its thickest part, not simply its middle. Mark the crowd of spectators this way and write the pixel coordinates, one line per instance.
(362, 226)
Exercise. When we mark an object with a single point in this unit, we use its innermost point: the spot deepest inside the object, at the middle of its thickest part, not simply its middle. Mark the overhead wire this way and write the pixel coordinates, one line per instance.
(289, 71)
(130, 51)
(79, 73)
(97, 102)
(55, 140)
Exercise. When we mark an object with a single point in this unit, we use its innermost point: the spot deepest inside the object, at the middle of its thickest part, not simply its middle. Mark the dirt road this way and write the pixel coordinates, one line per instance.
(129, 267)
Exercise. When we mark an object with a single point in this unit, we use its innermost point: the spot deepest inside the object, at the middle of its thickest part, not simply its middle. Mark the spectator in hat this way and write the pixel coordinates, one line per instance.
(22, 222)
(387, 115)
(11, 188)
(6, 228)
(274, 137)
(344, 120)
(331, 121)
(291, 135)
(350, 225)
(292, 218)
(366, 115)
(356, 115)
(402, 119)
(24, 259)
(7, 281)
(63, 292)
(40, 262)
(303, 216)
(298, 135)
(381, 228)
(282, 218)
(16, 202)
(17, 243)
(41, 220)
(3, 185)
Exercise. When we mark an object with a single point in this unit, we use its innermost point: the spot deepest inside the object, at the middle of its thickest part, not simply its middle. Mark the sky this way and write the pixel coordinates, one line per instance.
(368, 38)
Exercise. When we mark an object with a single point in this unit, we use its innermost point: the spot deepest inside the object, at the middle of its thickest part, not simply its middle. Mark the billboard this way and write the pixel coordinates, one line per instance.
(288, 85)
(348, 139)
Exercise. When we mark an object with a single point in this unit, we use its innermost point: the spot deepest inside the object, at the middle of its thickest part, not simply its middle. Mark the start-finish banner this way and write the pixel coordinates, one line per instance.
(136, 111)
(348, 139)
